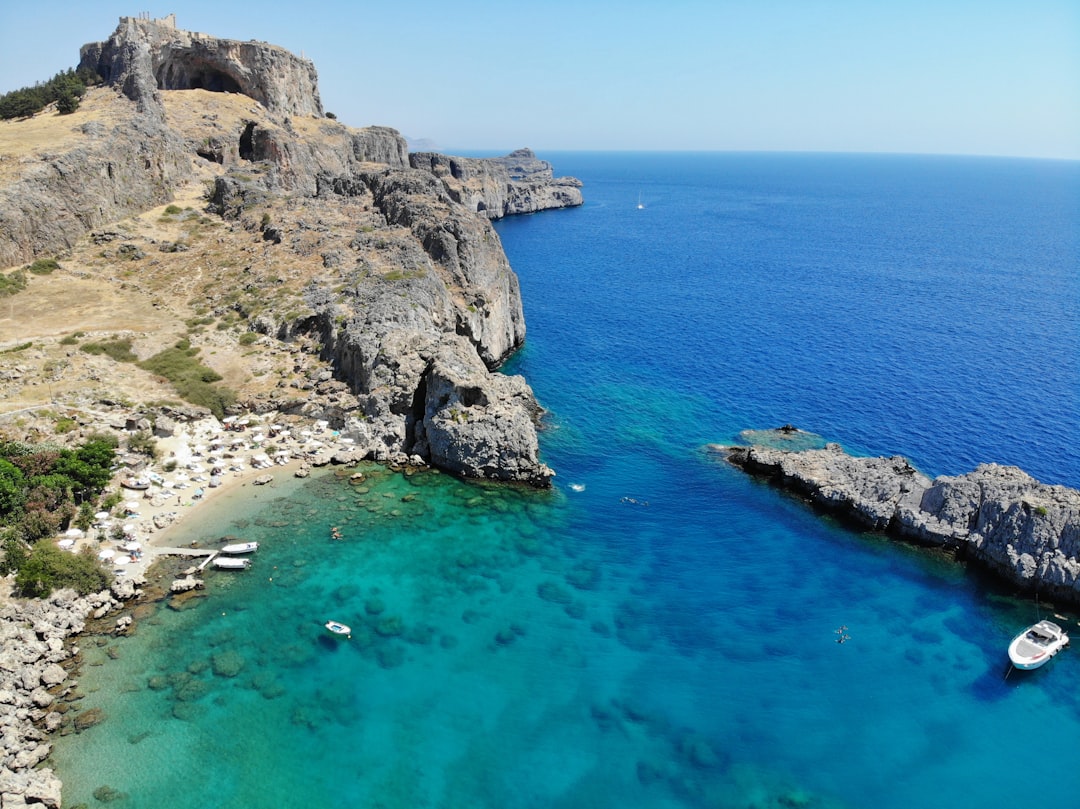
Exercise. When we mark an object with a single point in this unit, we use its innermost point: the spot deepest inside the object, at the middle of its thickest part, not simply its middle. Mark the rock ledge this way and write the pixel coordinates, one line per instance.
(999, 516)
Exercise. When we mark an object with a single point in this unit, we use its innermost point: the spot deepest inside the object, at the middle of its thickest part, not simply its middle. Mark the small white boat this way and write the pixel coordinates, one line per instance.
(241, 547)
(339, 628)
(138, 484)
(1037, 644)
(231, 563)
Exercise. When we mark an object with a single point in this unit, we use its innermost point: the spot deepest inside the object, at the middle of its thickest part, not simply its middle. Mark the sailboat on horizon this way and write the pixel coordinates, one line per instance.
(640, 204)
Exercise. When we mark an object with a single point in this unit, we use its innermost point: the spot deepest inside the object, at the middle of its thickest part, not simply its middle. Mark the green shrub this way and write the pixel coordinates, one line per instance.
(173, 210)
(12, 283)
(247, 338)
(14, 552)
(48, 568)
(64, 424)
(119, 350)
(192, 380)
(69, 340)
(111, 500)
(44, 266)
(141, 441)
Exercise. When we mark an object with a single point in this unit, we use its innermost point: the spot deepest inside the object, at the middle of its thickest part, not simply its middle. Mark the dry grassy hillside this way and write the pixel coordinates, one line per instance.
(170, 273)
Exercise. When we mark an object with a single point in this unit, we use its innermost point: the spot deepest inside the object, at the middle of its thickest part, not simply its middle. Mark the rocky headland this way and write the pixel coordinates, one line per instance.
(343, 278)
(996, 516)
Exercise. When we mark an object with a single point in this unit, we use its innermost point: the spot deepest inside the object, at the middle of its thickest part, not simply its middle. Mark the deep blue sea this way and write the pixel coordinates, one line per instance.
(660, 630)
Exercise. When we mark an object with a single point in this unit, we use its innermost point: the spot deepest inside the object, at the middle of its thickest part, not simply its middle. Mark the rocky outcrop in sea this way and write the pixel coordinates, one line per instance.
(997, 516)
(35, 663)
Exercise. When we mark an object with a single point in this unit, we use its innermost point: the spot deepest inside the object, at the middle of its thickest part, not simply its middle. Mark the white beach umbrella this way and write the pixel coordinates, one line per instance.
(108, 553)
(132, 546)
(74, 533)
(101, 515)
(130, 528)
(121, 560)
(131, 505)
(66, 544)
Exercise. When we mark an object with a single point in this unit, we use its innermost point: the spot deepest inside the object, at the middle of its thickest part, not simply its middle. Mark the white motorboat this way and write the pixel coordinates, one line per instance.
(241, 547)
(339, 628)
(1037, 644)
(231, 563)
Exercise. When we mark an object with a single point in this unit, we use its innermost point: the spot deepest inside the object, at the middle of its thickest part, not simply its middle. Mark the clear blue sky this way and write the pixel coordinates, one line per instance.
(966, 77)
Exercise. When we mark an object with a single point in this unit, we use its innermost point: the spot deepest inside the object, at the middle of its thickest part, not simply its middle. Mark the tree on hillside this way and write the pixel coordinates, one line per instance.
(12, 488)
(66, 88)
(67, 102)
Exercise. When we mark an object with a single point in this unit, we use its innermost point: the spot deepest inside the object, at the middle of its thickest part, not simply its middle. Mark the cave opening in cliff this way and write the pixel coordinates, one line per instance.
(215, 81)
(247, 142)
(414, 420)
(179, 74)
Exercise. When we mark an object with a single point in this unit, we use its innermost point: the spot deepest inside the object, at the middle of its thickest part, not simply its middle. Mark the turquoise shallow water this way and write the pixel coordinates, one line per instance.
(661, 633)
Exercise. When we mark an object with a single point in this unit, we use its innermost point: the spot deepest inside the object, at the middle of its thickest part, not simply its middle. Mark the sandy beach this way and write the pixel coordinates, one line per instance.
(198, 470)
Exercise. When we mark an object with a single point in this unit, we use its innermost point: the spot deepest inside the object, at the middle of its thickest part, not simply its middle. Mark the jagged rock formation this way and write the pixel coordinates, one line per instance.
(426, 305)
(32, 684)
(124, 162)
(1026, 531)
(415, 304)
(143, 55)
(502, 186)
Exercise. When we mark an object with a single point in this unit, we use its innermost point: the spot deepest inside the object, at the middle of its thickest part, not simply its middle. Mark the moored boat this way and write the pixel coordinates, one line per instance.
(1037, 644)
(241, 547)
(338, 628)
(231, 563)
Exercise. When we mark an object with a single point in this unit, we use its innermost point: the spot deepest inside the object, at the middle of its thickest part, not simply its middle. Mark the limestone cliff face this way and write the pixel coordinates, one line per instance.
(422, 305)
(502, 186)
(142, 55)
(415, 305)
(123, 163)
(1027, 531)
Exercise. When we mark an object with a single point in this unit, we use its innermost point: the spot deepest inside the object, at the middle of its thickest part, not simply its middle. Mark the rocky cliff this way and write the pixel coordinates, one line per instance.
(146, 55)
(1026, 531)
(502, 186)
(386, 266)
(117, 161)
